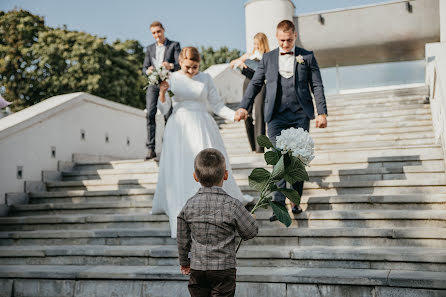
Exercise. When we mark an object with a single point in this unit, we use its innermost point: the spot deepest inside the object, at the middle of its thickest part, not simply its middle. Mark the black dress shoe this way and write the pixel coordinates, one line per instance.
(150, 155)
(273, 218)
(296, 210)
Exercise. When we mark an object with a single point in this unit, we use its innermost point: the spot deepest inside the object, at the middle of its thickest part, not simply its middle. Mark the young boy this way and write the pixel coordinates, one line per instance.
(206, 230)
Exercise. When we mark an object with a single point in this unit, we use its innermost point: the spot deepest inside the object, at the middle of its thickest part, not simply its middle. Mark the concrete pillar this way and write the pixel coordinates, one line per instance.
(263, 16)
(442, 20)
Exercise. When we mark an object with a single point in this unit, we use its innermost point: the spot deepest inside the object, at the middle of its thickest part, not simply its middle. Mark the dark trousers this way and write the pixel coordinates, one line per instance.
(152, 94)
(212, 283)
(281, 121)
(258, 128)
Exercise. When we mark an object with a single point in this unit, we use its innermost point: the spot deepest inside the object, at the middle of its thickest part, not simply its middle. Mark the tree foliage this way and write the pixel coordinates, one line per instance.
(39, 62)
(19, 30)
(209, 56)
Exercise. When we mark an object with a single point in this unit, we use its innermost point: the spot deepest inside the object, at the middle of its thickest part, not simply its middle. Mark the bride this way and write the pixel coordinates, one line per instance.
(189, 130)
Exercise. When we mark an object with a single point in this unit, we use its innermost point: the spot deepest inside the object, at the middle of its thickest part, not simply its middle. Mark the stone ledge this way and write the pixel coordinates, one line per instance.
(340, 253)
(289, 275)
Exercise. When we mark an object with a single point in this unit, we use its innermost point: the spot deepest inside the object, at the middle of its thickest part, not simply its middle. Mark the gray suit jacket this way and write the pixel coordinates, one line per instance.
(307, 76)
(171, 55)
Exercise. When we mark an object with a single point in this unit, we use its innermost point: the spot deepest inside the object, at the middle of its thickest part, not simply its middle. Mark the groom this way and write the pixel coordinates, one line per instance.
(289, 73)
(163, 52)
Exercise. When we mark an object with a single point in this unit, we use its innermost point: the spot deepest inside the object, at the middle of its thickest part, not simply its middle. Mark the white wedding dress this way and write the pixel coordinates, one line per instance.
(189, 130)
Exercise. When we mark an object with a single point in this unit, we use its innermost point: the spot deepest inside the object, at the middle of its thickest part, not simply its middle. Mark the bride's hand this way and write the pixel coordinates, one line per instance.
(164, 86)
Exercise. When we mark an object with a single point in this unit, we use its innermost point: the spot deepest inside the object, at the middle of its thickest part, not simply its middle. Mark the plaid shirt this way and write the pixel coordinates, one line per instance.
(206, 228)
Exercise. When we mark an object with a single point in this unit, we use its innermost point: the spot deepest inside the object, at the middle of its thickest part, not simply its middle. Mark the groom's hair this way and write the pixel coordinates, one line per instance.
(156, 24)
(210, 167)
(286, 26)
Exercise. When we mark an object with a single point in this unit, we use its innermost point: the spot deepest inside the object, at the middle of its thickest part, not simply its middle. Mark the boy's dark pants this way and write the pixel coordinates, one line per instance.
(212, 283)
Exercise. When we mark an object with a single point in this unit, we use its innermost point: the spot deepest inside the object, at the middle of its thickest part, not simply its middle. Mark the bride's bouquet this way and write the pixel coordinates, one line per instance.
(293, 151)
(157, 76)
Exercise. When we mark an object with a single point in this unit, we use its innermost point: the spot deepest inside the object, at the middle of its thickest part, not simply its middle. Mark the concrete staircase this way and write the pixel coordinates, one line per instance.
(374, 222)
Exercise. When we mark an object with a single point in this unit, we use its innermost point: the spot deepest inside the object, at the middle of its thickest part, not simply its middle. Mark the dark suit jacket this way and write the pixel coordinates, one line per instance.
(171, 55)
(307, 76)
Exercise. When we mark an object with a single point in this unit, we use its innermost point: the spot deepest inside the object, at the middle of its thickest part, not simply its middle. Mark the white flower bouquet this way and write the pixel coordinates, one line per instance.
(156, 76)
(293, 151)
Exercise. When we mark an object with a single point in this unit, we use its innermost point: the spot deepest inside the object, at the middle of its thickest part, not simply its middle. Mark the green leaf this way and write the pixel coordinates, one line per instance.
(297, 163)
(278, 170)
(272, 158)
(281, 213)
(264, 141)
(291, 194)
(296, 171)
(293, 175)
(258, 179)
(273, 187)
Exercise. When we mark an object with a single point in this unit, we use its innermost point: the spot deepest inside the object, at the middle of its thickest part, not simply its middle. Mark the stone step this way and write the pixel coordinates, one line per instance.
(58, 218)
(406, 102)
(367, 145)
(118, 207)
(146, 195)
(138, 281)
(355, 155)
(402, 258)
(243, 170)
(84, 220)
(422, 152)
(432, 237)
(380, 96)
(436, 180)
(343, 132)
(318, 141)
(238, 128)
(375, 120)
(391, 103)
(374, 202)
(334, 111)
(411, 103)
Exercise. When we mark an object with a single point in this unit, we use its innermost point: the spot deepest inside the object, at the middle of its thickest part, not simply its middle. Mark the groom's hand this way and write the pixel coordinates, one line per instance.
(149, 70)
(243, 113)
(321, 121)
(168, 66)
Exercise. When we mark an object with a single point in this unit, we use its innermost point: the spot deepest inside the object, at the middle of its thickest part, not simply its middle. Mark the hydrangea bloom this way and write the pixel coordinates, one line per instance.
(298, 142)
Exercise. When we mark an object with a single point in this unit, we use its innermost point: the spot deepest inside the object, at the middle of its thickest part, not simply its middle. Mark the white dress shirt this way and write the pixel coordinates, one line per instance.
(286, 64)
(159, 55)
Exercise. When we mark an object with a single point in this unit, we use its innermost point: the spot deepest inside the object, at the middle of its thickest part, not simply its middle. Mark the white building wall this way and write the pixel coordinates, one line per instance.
(443, 20)
(27, 137)
(229, 82)
(263, 16)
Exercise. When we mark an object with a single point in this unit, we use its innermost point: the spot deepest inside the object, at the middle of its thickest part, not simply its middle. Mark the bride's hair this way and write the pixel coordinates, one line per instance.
(263, 42)
(190, 53)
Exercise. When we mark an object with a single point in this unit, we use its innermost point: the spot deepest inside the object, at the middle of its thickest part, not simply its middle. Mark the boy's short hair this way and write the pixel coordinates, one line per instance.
(209, 167)
(286, 26)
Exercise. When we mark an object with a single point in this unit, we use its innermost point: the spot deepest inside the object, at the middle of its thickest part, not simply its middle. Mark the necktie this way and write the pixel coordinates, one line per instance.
(287, 53)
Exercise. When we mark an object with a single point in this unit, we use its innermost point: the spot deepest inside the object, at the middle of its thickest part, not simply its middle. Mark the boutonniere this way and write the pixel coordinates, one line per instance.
(300, 59)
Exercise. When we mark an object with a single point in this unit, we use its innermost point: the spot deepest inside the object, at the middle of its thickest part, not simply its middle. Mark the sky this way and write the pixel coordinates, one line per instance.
(194, 23)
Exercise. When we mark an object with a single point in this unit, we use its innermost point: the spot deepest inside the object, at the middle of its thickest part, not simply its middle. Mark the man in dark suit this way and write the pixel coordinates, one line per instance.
(163, 52)
(289, 73)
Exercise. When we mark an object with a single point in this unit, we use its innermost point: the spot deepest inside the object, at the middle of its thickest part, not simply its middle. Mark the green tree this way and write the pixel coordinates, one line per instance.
(72, 61)
(210, 57)
(38, 62)
(19, 30)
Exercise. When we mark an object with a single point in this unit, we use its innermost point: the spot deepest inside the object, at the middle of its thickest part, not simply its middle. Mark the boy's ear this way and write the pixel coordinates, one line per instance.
(226, 175)
(196, 178)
